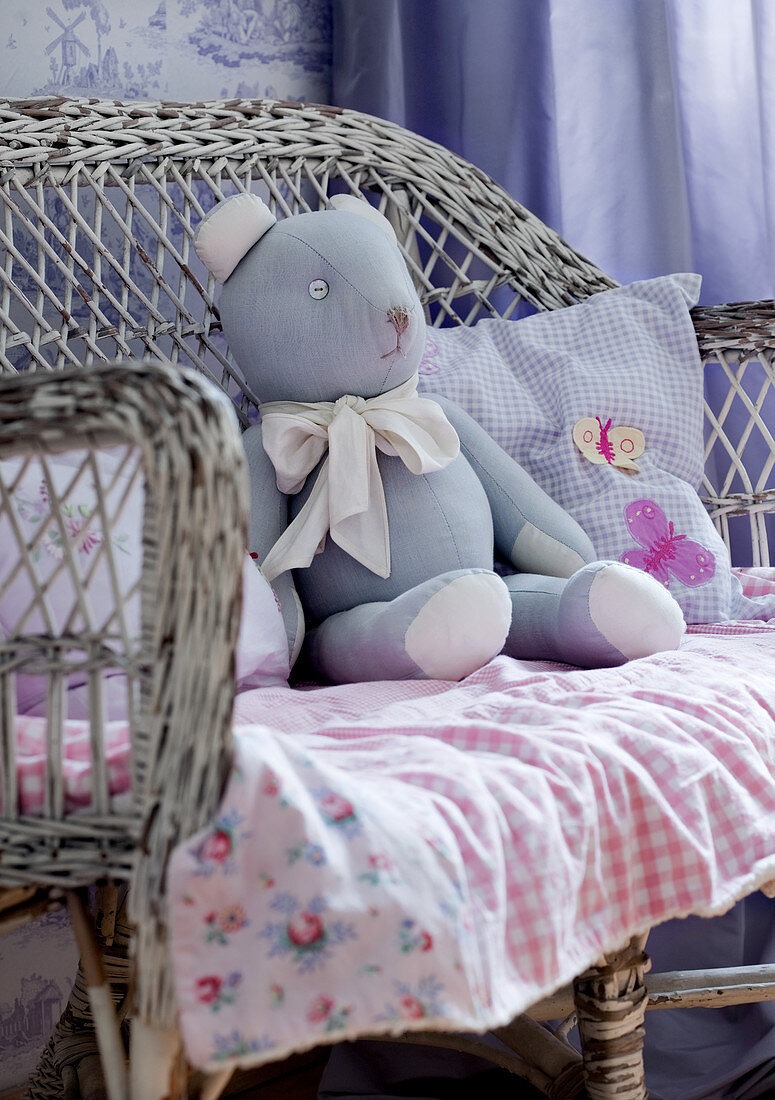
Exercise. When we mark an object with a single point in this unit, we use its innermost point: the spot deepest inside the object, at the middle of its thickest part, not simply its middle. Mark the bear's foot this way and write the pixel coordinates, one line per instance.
(633, 612)
(443, 629)
(605, 614)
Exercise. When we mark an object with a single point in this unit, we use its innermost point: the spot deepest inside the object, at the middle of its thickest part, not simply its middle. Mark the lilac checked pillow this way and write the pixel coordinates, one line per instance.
(602, 404)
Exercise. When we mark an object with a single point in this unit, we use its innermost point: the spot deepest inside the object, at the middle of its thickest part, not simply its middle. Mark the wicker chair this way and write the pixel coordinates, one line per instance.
(99, 201)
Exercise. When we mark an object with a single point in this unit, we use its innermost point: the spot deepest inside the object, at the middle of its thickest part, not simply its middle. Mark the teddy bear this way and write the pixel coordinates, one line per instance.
(376, 513)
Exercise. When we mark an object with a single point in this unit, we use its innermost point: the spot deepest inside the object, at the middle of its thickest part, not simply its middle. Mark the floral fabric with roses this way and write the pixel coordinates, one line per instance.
(412, 855)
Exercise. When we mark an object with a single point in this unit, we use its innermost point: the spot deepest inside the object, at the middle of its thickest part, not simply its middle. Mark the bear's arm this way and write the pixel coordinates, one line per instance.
(533, 531)
(268, 519)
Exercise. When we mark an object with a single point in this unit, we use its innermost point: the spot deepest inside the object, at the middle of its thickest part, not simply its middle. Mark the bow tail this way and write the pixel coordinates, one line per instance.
(364, 533)
(300, 541)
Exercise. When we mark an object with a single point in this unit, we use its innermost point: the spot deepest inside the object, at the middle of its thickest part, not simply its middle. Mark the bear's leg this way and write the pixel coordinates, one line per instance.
(604, 614)
(443, 629)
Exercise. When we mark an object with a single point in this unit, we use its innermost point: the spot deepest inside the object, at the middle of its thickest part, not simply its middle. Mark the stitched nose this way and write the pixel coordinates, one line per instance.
(399, 319)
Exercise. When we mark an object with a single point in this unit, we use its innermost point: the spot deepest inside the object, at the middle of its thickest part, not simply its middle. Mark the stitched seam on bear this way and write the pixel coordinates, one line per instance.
(339, 273)
(446, 521)
(532, 591)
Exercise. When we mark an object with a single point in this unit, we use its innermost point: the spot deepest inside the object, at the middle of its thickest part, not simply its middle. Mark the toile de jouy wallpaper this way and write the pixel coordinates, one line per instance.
(166, 49)
(143, 50)
(37, 967)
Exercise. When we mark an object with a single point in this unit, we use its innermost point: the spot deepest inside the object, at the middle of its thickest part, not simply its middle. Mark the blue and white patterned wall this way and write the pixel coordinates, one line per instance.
(167, 49)
(37, 968)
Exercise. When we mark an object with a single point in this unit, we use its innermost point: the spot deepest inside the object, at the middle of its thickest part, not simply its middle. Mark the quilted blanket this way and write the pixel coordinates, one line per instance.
(392, 856)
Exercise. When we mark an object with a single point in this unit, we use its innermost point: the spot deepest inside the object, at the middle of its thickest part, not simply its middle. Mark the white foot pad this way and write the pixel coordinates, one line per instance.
(634, 612)
(461, 627)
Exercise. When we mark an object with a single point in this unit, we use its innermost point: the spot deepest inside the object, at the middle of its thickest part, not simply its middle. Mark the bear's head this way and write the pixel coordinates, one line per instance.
(316, 305)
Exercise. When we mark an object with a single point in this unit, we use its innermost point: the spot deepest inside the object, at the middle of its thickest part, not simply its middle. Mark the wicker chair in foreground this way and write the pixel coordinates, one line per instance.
(99, 203)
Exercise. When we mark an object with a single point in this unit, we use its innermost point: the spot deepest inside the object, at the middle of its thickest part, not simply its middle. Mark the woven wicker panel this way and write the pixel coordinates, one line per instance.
(67, 531)
(100, 201)
(75, 529)
(70, 569)
(739, 482)
(98, 269)
(69, 584)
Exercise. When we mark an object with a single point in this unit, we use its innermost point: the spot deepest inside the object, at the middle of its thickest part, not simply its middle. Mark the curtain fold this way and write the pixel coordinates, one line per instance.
(642, 130)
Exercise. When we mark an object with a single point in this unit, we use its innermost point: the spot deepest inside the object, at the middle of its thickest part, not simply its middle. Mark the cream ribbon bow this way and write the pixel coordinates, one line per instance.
(348, 498)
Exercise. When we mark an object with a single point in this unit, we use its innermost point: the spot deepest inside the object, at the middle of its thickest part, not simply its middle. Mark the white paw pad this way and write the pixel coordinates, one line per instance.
(461, 627)
(634, 612)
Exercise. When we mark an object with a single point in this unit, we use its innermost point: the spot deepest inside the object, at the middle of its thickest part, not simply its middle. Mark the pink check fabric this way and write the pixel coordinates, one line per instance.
(31, 755)
(392, 856)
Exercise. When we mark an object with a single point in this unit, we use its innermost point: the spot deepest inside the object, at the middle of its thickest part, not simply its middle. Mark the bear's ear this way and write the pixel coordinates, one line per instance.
(229, 231)
(355, 205)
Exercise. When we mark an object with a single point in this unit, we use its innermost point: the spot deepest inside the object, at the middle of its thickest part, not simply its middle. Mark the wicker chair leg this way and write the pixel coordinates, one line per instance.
(70, 1066)
(157, 1067)
(551, 1065)
(610, 1005)
(214, 1083)
(106, 1026)
(48, 1080)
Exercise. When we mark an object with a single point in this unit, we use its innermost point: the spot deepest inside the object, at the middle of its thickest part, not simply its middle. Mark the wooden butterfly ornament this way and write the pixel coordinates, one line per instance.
(601, 444)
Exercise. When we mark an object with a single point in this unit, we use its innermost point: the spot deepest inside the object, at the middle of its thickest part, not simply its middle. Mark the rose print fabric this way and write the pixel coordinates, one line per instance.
(392, 856)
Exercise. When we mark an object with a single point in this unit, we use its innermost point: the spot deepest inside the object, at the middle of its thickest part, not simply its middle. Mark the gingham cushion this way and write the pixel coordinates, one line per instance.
(628, 354)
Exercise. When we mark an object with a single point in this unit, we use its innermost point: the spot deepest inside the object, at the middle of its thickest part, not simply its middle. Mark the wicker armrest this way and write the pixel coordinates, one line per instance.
(747, 327)
(193, 541)
(737, 345)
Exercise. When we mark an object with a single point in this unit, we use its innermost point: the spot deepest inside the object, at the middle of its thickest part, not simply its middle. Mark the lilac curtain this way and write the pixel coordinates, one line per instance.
(642, 130)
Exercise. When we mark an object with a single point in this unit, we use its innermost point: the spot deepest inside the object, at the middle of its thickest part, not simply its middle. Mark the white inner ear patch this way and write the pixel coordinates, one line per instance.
(230, 231)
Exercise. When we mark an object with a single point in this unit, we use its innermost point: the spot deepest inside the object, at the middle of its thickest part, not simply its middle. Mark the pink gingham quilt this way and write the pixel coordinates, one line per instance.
(393, 856)
(425, 855)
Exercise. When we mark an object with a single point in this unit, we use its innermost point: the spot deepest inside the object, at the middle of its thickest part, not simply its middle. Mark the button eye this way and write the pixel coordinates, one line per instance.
(318, 288)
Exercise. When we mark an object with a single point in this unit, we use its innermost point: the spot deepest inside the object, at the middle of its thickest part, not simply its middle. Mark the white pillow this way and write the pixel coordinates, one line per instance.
(262, 658)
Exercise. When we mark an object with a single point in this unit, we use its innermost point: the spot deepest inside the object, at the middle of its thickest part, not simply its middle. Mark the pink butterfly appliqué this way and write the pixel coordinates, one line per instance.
(665, 552)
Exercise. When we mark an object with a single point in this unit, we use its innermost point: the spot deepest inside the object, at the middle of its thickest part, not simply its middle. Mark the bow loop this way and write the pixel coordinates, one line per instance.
(348, 498)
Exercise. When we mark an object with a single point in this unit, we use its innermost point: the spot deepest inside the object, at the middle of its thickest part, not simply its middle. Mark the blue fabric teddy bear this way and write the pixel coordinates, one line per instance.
(376, 511)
